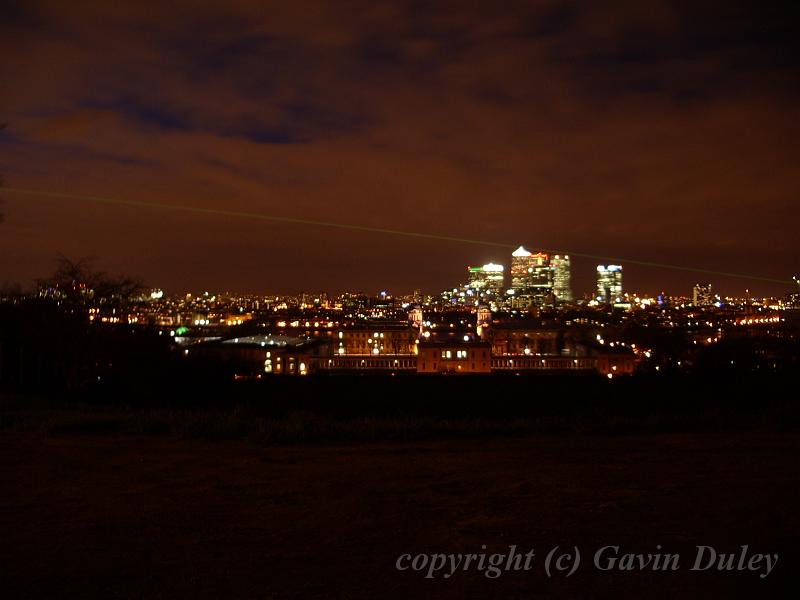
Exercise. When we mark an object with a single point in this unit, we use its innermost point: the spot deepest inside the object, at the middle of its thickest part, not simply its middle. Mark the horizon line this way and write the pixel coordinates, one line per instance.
(380, 230)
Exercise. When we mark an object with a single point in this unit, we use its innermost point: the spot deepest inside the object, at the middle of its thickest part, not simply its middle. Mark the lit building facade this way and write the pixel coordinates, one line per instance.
(508, 350)
(522, 263)
(508, 340)
(609, 283)
(701, 295)
(794, 299)
(488, 278)
(562, 285)
(375, 342)
(531, 278)
(454, 357)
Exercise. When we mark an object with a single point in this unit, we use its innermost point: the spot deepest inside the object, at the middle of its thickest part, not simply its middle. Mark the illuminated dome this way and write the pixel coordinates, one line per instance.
(520, 252)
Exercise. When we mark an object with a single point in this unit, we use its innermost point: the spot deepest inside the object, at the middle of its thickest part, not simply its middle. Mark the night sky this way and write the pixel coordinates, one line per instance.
(660, 131)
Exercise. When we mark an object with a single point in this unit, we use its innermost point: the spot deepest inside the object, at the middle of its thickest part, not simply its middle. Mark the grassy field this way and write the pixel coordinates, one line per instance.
(347, 409)
(313, 489)
(131, 516)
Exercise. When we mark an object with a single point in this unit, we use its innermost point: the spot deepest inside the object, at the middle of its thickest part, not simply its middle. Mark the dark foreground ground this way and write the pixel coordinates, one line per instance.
(164, 516)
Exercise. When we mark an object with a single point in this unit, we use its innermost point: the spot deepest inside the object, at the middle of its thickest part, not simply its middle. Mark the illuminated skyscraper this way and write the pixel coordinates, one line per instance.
(521, 269)
(531, 277)
(562, 289)
(542, 274)
(701, 295)
(542, 280)
(488, 278)
(794, 299)
(609, 283)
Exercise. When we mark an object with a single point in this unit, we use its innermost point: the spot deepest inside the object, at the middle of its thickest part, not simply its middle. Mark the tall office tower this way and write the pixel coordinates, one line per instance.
(531, 278)
(474, 278)
(542, 274)
(609, 283)
(541, 290)
(701, 295)
(488, 278)
(794, 299)
(522, 263)
(562, 289)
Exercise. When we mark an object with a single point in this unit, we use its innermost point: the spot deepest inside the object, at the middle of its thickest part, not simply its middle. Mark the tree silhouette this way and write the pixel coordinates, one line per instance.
(49, 341)
(78, 283)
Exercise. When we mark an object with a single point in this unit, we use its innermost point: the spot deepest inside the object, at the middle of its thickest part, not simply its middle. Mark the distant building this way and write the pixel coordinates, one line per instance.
(376, 340)
(483, 320)
(542, 279)
(531, 278)
(488, 278)
(794, 299)
(701, 295)
(454, 357)
(522, 263)
(612, 365)
(415, 317)
(562, 288)
(256, 355)
(609, 283)
(515, 348)
(522, 339)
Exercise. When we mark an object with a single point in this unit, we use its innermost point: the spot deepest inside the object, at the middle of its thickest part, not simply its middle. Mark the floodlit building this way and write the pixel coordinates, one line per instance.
(531, 278)
(488, 278)
(511, 348)
(701, 295)
(542, 280)
(562, 288)
(454, 357)
(518, 339)
(794, 299)
(376, 341)
(609, 283)
(522, 263)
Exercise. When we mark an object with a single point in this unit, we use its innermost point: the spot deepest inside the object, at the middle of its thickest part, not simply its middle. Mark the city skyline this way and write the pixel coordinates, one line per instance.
(399, 118)
(550, 268)
(501, 279)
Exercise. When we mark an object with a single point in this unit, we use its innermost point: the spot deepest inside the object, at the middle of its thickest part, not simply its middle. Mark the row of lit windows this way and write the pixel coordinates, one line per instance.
(532, 363)
(373, 364)
(459, 354)
(424, 366)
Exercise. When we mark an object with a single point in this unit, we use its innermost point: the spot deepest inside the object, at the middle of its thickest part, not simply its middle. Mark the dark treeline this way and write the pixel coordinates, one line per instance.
(49, 345)
(47, 349)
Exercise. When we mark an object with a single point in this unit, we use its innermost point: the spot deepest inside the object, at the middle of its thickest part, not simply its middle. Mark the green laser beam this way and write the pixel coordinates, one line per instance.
(369, 229)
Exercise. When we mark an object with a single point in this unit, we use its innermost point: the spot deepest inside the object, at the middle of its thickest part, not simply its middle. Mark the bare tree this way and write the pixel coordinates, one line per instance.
(77, 282)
